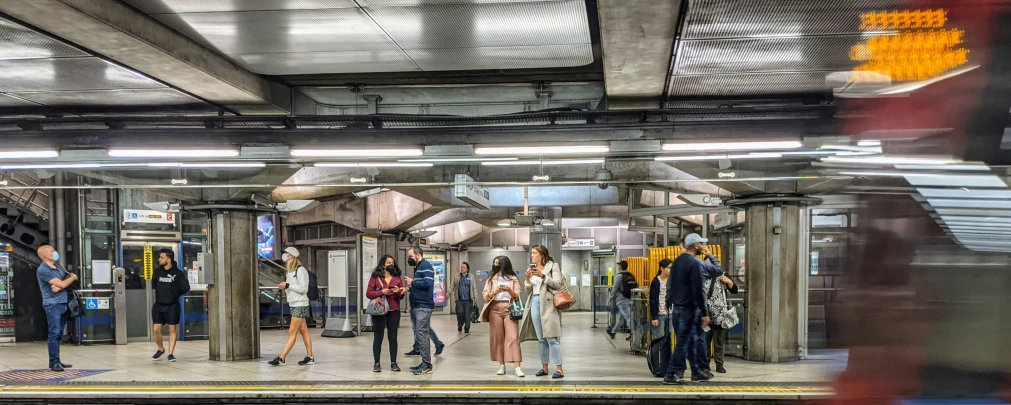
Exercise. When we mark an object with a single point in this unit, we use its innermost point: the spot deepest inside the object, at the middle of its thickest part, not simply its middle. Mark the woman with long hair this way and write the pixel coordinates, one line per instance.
(296, 289)
(386, 282)
(501, 289)
(658, 310)
(541, 320)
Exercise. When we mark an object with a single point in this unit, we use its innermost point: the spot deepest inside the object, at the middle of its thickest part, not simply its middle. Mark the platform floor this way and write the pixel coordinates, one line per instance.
(594, 365)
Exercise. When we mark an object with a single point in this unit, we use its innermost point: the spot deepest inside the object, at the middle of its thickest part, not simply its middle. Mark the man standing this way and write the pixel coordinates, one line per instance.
(422, 303)
(169, 284)
(464, 288)
(54, 281)
(686, 295)
(621, 295)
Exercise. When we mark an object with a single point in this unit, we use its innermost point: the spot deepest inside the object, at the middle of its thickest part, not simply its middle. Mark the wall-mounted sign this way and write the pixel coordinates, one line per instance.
(473, 194)
(96, 303)
(148, 217)
(580, 243)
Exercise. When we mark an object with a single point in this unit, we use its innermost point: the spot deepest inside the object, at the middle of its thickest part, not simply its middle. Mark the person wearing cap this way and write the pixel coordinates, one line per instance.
(296, 288)
(687, 296)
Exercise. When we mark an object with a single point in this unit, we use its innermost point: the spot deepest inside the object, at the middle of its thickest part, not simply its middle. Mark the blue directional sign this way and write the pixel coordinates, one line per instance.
(96, 303)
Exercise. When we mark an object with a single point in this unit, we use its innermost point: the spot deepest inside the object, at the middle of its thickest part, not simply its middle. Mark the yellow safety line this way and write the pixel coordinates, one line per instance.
(427, 388)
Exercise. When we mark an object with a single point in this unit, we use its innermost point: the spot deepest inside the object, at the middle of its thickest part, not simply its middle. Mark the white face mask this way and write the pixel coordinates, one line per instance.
(285, 257)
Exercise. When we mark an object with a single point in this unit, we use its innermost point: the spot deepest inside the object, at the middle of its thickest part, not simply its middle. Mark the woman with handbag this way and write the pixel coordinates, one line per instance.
(542, 319)
(502, 310)
(385, 285)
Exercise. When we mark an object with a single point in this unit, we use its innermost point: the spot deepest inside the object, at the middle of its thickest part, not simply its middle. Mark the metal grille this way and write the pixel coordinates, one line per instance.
(766, 55)
(707, 19)
(19, 42)
(748, 84)
(507, 57)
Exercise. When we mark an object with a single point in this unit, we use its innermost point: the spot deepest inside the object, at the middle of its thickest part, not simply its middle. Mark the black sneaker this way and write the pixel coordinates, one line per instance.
(65, 365)
(459, 329)
(157, 355)
(721, 370)
(703, 377)
(308, 361)
(610, 335)
(412, 353)
(276, 362)
(673, 380)
(425, 369)
(172, 358)
(629, 338)
(438, 349)
(709, 374)
(466, 331)
(56, 368)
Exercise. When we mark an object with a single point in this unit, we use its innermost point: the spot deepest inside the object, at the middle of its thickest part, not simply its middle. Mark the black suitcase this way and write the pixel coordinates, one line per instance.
(659, 355)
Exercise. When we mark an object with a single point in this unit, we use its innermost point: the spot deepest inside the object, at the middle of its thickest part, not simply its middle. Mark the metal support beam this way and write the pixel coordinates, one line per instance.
(637, 38)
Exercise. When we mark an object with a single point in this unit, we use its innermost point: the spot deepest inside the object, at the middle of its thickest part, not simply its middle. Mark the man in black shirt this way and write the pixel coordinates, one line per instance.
(686, 295)
(169, 284)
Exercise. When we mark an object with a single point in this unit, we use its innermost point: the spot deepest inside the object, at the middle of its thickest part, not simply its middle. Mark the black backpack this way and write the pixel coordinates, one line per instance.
(628, 284)
(313, 293)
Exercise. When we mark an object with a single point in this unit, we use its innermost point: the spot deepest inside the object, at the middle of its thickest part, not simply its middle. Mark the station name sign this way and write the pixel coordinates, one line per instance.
(473, 194)
(148, 217)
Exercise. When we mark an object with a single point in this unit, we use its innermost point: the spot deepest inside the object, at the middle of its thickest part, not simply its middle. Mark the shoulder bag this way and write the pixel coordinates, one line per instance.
(74, 309)
(562, 298)
(516, 310)
(378, 306)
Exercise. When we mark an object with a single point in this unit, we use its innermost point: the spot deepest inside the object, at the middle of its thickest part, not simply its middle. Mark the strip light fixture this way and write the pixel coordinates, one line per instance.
(356, 153)
(542, 150)
(173, 153)
(28, 154)
(892, 160)
(459, 160)
(372, 164)
(731, 146)
(717, 157)
(546, 162)
(226, 165)
(51, 166)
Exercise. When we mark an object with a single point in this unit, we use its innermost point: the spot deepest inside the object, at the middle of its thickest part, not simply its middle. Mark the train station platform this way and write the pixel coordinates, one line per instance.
(596, 368)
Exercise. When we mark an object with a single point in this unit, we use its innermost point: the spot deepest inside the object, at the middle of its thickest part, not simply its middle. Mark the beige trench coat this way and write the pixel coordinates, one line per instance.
(551, 318)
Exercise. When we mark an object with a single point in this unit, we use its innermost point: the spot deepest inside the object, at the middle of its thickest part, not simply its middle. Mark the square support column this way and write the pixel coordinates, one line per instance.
(773, 271)
(233, 305)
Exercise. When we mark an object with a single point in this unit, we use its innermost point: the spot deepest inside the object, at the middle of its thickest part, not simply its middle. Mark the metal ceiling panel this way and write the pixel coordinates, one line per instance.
(20, 42)
(327, 62)
(67, 74)
(396, 3)
(709, 19)
(486, 25)
(507, 57)
(210, 6)
(8, 101)
(133, 97)
(234, 33)
(747, 84)
(825, 53)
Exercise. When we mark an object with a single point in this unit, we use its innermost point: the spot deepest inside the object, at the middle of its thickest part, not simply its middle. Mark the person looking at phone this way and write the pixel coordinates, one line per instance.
(501, 289)
(386, 282)
(542, 321)
(422, 305)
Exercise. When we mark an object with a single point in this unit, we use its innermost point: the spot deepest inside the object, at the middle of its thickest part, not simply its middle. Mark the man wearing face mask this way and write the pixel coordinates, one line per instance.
(422, 304)
(54, 281)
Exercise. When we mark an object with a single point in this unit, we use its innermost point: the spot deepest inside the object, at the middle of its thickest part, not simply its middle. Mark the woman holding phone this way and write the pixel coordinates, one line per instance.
(541, 320)
(501, 289)
(386, 282)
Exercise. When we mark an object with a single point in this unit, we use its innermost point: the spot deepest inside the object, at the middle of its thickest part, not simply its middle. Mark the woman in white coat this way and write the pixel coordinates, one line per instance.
(541, 320)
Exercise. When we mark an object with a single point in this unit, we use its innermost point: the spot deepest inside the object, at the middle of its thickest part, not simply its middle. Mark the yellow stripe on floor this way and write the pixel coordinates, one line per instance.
(683, 389)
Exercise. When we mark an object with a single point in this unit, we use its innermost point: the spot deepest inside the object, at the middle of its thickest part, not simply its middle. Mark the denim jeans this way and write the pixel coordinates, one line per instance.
(463, 310)
(54, 319)
(423, 332)
(431, 333)
(624, 315)
(545, 346)
(663, 329)
(691, 342)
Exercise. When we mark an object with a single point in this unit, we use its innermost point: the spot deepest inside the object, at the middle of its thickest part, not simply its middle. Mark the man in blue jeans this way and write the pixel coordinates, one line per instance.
(53, 281)
(422, 303)
(686, 295)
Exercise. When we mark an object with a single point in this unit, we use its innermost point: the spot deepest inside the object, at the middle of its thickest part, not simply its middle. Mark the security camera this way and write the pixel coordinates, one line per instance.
(297, 205)
(163, 206)
(603, 175)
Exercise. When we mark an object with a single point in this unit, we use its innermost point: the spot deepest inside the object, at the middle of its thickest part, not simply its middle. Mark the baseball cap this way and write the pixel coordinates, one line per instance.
(291, 251)
(694, 238)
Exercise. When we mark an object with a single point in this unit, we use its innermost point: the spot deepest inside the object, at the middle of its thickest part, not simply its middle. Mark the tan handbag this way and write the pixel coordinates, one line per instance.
(562, 298)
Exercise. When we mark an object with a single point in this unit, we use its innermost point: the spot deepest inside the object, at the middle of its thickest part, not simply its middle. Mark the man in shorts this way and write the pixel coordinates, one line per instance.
(169, 285)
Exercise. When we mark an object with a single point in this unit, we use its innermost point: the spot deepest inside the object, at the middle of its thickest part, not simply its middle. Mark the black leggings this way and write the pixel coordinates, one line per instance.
(381, 324)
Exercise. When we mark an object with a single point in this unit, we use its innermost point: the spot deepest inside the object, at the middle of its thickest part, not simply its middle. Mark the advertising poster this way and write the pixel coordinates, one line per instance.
(370, 259)
(265, 236)
(438, 261)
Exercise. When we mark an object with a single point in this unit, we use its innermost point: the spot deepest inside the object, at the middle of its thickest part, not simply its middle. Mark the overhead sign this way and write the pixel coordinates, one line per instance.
(96, 303)
(148, 217)
(473, 194)
(580, 243)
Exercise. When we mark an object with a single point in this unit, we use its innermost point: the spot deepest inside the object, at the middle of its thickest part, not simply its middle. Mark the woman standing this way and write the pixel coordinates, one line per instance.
(386, 282)
(501, 289)
(541, 320)
(296, 288)
(658, 310)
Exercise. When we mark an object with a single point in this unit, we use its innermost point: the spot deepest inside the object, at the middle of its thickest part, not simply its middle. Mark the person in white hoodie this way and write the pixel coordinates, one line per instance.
(296, 288)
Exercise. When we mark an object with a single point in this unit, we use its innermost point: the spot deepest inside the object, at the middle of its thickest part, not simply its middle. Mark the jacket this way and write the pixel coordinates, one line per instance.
(169, 285)
(654, 298)
(551, 317)
(619, 282)
(454, 290)
(685, 284)
(298, 287)
(489, 293)
(375, 290)
(421, 288)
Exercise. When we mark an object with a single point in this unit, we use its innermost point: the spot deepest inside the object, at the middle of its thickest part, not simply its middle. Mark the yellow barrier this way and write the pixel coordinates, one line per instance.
(645, 269)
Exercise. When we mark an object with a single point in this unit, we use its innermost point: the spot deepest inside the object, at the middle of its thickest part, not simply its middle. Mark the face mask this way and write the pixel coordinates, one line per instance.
(56, 256)
(285, 257)
(390, 268)
(412, 262)
(496, 268)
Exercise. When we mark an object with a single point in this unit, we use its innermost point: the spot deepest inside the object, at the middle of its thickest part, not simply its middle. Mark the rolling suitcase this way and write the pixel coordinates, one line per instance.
(659, 355)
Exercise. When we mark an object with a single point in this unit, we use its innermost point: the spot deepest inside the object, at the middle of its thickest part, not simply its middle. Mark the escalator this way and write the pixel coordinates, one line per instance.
(272, 308)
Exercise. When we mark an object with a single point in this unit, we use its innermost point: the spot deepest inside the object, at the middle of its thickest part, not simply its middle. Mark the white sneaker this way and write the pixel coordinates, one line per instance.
(501, 371)
(519, 373)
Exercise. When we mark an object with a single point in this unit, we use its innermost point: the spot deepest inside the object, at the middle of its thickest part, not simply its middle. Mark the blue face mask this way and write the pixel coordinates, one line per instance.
(56, 256)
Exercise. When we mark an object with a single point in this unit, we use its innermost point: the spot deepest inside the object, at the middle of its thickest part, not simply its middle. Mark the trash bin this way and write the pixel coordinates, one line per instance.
(640, 321)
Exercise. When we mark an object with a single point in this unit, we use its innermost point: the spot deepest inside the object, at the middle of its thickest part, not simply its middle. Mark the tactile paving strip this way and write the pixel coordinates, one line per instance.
(45, 376)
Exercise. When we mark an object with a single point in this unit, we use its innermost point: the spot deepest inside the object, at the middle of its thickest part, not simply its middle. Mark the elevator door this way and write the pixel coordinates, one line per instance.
(139, 295)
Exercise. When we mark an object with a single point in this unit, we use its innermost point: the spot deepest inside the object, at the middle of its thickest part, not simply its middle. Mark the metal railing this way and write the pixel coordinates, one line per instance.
(97, 325)
(275, 312)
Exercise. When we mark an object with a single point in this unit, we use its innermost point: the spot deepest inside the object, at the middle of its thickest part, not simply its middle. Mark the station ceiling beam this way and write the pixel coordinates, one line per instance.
(637, 38)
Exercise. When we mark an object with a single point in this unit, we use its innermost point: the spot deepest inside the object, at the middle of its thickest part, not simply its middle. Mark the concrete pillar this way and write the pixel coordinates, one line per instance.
(233, 305)
(549, 235)
(773, 240)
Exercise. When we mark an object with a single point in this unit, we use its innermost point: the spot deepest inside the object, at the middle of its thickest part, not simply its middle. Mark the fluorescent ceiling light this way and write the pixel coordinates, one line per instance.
(869, 143)
(718, 157)
(546, 162)
(973, 218)
(891, 160)
(947, 180)
(739, 145)
(968, 203)
(372, 164)
(174, 153)
(28, 154)
(969, 211)
(357, 153)
(542, 150)
(963, 193)
(51, 166)
(457, 160)
(210, 165)
(978, 168)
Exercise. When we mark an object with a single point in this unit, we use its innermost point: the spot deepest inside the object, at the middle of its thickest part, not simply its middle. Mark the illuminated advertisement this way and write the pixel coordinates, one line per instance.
(438, 261)
(265, 236)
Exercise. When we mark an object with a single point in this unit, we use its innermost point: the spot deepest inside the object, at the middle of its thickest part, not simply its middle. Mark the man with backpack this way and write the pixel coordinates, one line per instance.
(621, 295)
